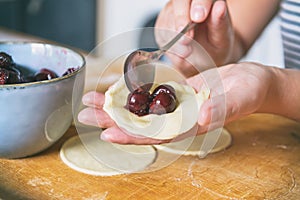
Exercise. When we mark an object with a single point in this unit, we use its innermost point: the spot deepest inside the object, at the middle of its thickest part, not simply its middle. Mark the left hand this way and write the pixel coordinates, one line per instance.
(94, 115)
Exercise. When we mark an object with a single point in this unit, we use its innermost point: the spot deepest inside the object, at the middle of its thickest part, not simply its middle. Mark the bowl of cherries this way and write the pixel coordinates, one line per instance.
(37, 81)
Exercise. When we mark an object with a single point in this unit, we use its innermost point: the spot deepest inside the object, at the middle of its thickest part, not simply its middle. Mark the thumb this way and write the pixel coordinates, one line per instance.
(223, 108)
(213, 111)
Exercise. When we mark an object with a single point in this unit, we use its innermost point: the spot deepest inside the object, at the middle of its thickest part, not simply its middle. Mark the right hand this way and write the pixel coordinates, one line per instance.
(214, 30)
(237, 90)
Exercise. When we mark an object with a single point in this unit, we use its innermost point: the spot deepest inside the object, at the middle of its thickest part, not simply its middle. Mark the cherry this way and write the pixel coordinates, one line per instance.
(14, 76)
(162, 103)
(45, 74)
(10, 73)
(162, 100)
(5, 60)
(70, 71)
(164, 89)
(4, 75)
(138, 102)
(10, 76)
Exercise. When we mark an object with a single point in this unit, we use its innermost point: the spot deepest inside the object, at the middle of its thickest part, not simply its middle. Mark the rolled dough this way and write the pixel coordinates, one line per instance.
(192, 146)
(90, 155)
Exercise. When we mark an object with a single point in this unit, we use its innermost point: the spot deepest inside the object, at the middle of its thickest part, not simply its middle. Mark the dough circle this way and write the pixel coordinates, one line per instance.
(166, 126)
(125, 158)
(192, 146)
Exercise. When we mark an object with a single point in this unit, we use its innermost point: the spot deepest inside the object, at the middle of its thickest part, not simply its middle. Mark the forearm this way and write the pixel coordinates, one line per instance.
(249, 20)
(239, 49)
(283, 97)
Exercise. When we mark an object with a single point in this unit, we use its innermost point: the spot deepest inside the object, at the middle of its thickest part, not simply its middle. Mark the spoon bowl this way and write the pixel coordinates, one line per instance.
(137, 77)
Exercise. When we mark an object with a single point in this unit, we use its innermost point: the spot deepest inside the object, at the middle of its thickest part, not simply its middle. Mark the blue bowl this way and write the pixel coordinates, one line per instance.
(35, 115)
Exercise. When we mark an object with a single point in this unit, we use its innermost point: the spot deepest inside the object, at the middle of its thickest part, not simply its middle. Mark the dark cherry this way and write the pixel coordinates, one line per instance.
(162, 100)
(10, 76)
(29, 79)
(162, 103)
(45, 74)
(4, 75)
(164, 89)
(138, 102)
(10, 73)
(70, 71)
(14, 76)
(5, 60)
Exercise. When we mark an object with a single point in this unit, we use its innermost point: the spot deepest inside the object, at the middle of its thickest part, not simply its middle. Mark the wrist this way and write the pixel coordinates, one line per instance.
(282, 97)
(271, 99)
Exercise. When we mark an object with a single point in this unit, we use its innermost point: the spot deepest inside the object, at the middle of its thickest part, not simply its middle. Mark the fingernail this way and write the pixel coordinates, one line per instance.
(197, 13)
(86, 98)
(81, 117)
(224, 14)
(203, 119)
(104, 137)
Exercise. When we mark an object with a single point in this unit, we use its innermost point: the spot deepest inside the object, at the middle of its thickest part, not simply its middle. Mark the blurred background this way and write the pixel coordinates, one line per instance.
(85, 23)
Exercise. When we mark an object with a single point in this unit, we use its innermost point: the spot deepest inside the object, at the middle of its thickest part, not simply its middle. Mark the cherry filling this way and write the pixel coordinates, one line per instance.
(10, 72)
(161, 101)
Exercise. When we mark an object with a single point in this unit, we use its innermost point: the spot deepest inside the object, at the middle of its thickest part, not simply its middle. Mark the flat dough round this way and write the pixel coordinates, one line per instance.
(166, 126)
(105, 159)
(192, 146)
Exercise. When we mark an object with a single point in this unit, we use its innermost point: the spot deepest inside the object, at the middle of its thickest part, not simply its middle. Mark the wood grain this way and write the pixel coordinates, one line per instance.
(262, 163)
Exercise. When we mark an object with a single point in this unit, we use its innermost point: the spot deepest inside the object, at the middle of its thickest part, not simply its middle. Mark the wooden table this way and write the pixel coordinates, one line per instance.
(262, 163)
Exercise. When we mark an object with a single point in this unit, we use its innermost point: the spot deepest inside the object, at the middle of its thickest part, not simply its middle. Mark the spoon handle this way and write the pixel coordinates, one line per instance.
(166, 47)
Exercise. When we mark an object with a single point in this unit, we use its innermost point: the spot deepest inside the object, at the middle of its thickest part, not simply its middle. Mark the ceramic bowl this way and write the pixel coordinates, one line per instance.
(35, 115)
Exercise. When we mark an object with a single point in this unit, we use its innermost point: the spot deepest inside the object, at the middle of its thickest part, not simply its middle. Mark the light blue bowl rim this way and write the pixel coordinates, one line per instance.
(81, 68)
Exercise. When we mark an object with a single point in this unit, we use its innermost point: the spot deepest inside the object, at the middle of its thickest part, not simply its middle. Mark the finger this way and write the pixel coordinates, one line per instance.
(181, 11)
(213, 111)
(219, 25)
(190, 133)
(95, 117)
(182, 51)
(196, 82)
(93, 99)
(116, 135)
(200, 10)
(180, 64)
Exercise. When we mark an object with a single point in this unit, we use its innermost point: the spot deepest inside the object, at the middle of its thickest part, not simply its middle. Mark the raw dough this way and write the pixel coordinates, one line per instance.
(165, 126)
(90, 155)
(192, 146)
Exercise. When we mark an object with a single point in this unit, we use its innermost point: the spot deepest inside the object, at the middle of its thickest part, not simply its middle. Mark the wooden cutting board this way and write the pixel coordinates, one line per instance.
(262, 163)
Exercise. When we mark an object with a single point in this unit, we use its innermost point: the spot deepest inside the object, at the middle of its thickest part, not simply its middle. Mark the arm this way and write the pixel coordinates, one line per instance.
(283, 97)
(249, 18)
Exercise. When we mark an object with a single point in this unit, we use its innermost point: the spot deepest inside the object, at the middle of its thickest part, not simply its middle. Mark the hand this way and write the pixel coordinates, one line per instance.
(240, 89)
(214, 31)
(94, 115)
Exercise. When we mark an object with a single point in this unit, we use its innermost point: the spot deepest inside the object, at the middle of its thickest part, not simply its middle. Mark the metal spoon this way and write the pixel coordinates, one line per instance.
(143, 77)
